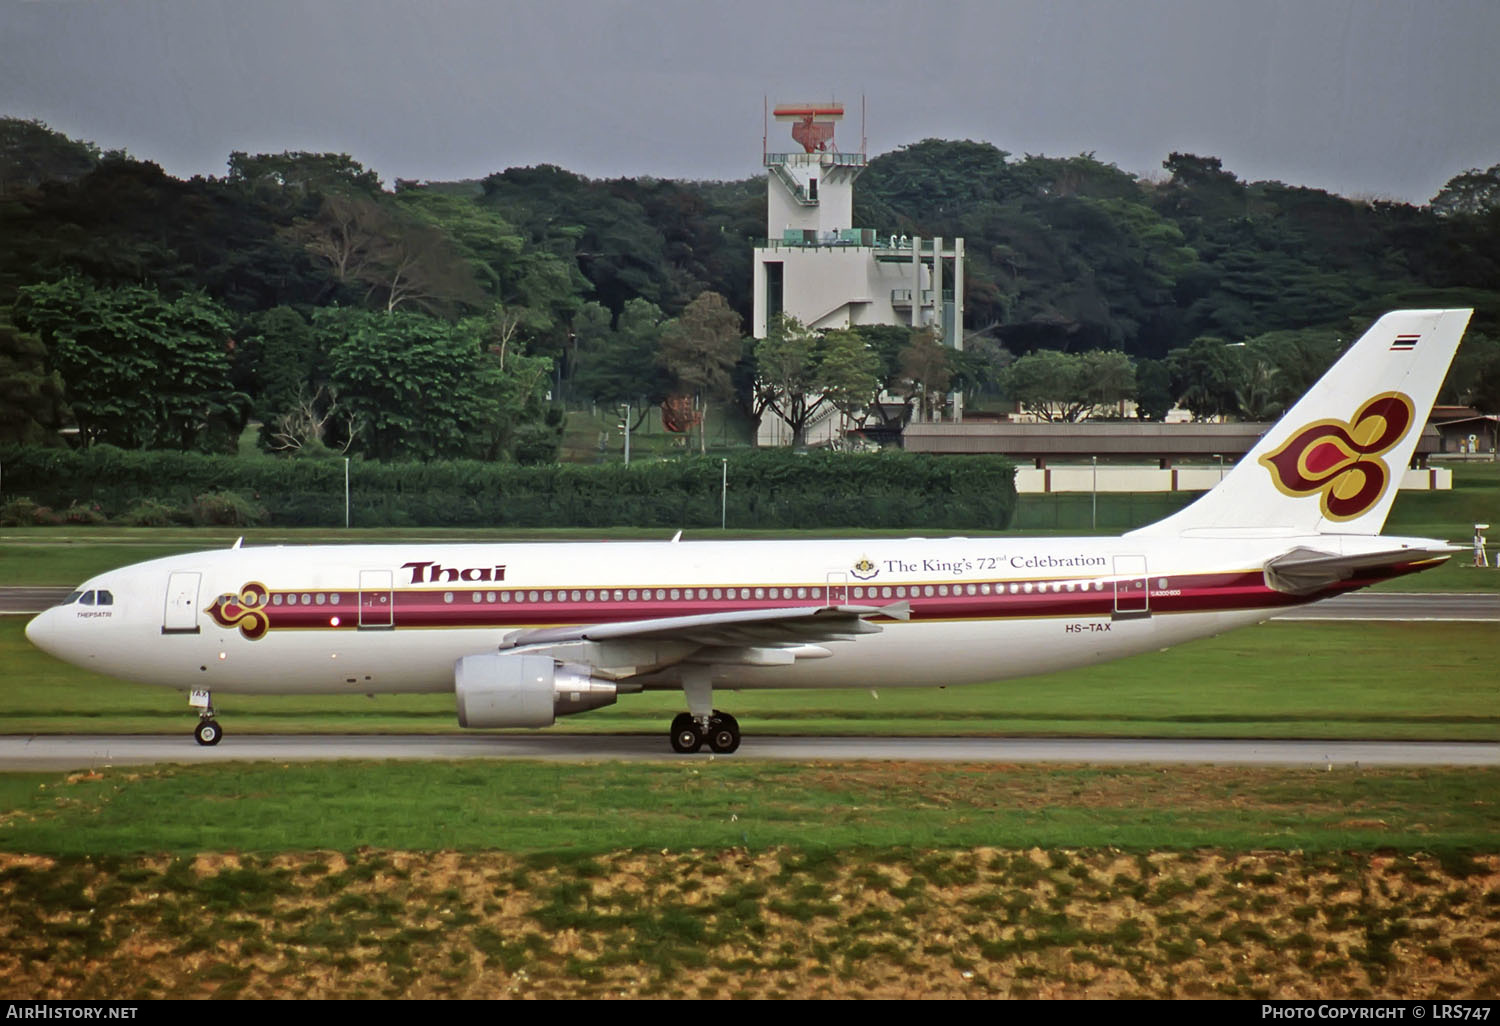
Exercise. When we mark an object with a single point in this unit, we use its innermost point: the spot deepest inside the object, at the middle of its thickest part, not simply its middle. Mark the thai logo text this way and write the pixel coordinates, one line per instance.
(433, 573)
(1341, 460)
(245, 611)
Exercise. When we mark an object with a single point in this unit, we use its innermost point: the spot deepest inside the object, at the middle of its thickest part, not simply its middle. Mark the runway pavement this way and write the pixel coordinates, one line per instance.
(1365, 605)
(96, 752)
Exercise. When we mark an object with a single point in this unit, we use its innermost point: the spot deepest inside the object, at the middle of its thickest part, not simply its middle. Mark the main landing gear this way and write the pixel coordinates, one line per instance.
(722, 733)
(208, 731)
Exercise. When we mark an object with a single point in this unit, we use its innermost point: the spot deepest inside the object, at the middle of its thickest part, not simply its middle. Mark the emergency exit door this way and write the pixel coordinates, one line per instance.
(375, 600)
(1132, 590)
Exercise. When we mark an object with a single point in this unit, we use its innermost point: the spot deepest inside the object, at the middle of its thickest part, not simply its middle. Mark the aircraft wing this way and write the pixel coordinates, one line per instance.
(759, 637)
(1303, 571)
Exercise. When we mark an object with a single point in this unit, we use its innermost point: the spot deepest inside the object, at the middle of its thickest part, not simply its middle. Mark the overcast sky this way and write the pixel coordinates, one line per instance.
(1385, 98)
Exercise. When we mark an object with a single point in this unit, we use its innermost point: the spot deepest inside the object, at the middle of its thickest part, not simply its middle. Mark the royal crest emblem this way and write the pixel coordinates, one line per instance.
(1341, 460)
(864, 569)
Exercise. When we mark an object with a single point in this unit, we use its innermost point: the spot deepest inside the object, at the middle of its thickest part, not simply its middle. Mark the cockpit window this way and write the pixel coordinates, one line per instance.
(73, 597)
(104, 598)
(87, 600)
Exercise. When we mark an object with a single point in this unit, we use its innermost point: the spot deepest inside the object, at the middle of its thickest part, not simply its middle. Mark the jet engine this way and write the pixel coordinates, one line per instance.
(513, 690)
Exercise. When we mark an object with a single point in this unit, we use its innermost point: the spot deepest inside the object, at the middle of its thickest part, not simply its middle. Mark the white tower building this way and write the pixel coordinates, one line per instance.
(816, 266)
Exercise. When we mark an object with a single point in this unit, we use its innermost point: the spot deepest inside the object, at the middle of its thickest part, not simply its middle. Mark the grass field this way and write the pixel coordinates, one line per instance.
(523, 808)
(720, 879)
(1432, 681)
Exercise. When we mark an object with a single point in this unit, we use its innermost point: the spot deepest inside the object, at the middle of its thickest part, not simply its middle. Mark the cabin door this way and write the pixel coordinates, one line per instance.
(1132, 594)
(181, 613)
(375, 602)
(838, 589)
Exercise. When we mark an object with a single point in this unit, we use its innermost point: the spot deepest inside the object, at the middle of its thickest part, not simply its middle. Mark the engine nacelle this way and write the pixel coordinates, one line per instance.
(503, 690)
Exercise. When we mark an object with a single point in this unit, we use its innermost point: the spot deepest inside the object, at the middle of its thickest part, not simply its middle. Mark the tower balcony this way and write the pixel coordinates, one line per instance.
(808, 238)
(828, 158)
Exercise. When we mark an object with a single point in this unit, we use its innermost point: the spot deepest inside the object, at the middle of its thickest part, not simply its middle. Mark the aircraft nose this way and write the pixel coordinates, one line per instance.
(42, 632)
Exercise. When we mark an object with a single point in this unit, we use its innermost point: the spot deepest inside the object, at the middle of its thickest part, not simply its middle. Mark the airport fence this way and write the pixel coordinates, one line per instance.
(766, 489)
(1083, 512)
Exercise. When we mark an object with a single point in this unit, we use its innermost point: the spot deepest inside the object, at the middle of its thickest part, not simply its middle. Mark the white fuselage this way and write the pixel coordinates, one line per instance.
(396, 618)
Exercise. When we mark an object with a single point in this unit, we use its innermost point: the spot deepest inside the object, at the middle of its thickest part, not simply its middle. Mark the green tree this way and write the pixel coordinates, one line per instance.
(139, 370)
(787, 362)
(849, 374)
(31, 395)
(31, 153)
(699, 350)
(1049, 385)
(1470, 194)
(300, 171)
(1205, 375)
(1153, 394)
(420, 388)
(926, 372)
(396, 260)
(619, 364)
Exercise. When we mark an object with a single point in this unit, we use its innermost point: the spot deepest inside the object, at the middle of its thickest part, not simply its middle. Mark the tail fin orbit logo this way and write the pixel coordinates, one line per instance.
(1341, 460)
(245, 611)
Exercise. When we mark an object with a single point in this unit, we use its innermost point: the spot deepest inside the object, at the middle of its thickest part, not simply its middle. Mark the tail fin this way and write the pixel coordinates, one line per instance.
(1332, 464)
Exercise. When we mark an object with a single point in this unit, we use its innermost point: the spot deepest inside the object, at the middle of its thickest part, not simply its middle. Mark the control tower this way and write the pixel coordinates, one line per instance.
(815, 265)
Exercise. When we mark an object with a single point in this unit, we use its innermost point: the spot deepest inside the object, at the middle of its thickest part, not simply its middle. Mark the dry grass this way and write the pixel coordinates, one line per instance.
(783, 922)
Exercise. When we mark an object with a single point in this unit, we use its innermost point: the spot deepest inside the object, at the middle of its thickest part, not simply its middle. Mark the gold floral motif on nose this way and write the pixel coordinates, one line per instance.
(245, 610)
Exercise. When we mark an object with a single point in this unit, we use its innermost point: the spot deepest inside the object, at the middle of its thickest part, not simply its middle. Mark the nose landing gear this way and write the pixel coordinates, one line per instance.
(208, 732)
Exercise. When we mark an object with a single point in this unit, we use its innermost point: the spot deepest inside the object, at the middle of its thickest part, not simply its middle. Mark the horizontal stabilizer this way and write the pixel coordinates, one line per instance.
(1304, 571)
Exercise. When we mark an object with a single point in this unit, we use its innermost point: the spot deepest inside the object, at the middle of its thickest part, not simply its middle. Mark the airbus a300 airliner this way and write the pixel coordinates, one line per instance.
(524, 633)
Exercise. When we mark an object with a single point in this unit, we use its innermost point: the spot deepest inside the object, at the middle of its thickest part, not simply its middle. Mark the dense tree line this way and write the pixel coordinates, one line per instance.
(450, 320)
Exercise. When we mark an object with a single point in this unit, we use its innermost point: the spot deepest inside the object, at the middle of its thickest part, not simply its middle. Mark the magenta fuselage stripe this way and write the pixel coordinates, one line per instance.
(429, 608)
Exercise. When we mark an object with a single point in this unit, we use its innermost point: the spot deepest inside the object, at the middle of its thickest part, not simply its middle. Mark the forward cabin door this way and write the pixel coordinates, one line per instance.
(375, 602)
(181, 613)
(1132, 595)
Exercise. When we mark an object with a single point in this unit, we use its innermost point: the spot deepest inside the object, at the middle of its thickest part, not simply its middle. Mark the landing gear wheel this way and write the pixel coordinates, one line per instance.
(724, 740)
(686, 739)
(208, 732)
(723, 733)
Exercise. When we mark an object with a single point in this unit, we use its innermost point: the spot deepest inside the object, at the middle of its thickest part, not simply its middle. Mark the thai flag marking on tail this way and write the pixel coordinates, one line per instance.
(1404, 342)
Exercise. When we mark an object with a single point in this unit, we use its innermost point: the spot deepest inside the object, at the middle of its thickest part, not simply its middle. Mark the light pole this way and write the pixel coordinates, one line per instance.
(724, 494)
(346, 493)
(625, 424)
(1094, 517)
(1220, 457)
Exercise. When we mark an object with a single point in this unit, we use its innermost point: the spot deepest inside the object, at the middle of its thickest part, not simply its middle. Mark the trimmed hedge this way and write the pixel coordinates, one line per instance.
(769, 488)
